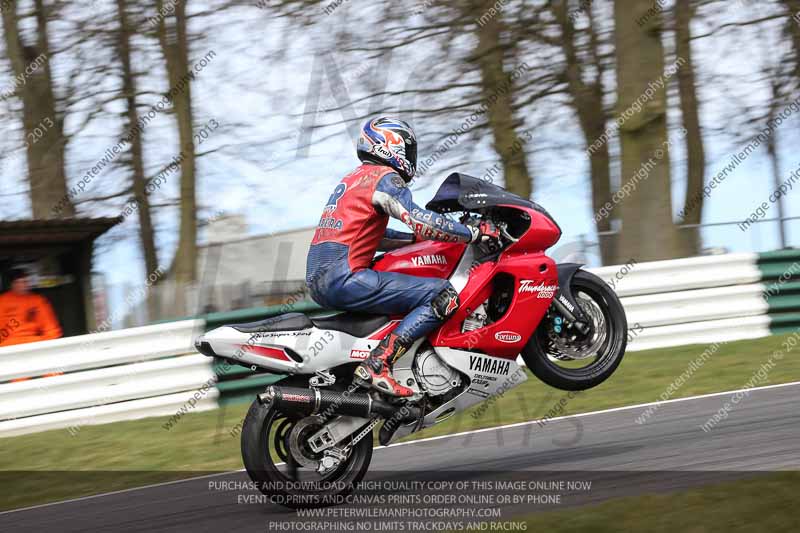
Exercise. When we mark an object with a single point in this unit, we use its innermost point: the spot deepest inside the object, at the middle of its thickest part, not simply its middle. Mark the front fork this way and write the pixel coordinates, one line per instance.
(567, 305)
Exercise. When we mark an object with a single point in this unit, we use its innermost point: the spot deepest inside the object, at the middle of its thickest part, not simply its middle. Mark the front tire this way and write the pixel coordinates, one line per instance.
(555, 358)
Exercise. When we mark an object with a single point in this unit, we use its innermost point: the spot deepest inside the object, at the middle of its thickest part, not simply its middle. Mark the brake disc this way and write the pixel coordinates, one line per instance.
(569, 345)
(303, 429)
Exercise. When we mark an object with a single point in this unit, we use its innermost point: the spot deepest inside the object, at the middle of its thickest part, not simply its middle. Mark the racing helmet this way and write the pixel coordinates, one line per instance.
(389, 141)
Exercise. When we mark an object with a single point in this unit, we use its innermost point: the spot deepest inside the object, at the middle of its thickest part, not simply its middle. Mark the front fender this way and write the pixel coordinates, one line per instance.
(564, 300)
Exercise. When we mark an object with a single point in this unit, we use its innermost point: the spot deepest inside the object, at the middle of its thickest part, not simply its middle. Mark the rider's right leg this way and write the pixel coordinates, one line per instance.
(376, 370)
(426, 302)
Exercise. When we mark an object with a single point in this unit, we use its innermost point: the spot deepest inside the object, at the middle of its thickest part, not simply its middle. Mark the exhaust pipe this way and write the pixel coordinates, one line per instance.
(307, 402)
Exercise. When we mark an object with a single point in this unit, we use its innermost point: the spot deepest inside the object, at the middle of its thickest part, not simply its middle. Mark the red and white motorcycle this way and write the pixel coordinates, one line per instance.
(315, 426)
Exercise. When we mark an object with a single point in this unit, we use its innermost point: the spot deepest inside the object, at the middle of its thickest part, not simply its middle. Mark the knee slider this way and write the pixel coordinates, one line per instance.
(446, 303)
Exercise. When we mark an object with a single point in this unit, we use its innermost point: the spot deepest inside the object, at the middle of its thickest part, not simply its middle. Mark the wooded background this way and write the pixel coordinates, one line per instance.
(105, 100)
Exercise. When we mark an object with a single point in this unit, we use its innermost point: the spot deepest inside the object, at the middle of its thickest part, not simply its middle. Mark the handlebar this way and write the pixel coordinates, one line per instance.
(503, 227)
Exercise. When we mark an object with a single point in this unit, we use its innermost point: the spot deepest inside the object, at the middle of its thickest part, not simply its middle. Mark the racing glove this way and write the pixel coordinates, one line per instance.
(483, 231)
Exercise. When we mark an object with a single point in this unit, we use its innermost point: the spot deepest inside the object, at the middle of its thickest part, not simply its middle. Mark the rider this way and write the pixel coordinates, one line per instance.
(353, 227)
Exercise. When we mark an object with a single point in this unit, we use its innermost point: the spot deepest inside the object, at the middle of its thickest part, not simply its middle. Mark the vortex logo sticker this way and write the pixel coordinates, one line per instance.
(508, 336)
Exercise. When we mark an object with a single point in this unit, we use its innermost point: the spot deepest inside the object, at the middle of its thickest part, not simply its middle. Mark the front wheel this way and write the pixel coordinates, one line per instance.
(562, 357)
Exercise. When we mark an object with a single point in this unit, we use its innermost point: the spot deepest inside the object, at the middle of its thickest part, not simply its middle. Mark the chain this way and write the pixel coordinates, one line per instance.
(365, 431)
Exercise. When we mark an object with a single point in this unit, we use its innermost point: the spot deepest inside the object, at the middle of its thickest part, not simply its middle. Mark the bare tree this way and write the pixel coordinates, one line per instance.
(493, 50)
(43, 122)
(690, 113)
(479, 82)
(584, 73)
(793, 28)
(173, 37)
(136, 161)
(648, 232)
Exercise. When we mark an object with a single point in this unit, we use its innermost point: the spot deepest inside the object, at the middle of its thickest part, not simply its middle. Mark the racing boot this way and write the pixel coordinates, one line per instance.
(376, 370)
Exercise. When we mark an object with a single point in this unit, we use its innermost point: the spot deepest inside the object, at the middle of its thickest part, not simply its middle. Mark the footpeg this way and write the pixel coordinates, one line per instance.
(322, 378)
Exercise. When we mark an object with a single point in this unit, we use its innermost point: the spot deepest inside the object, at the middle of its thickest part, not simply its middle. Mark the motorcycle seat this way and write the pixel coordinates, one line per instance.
(287, 322)
(355, 324)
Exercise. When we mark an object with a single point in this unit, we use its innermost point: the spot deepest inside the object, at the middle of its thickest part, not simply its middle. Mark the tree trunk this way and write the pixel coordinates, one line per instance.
(587, 100)
(696, 158)
(146, 231)
(599, 167)
(497, 87)
(648, 232)
(43, 125)
(175, 47)
(793, 10)
(774, 158)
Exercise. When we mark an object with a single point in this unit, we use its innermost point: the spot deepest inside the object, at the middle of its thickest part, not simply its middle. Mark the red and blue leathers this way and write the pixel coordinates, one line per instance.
(352, 226)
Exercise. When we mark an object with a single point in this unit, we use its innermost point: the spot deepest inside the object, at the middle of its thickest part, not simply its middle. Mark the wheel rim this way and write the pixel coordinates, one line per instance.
(280, 451)
(570, 352)
(279, 440)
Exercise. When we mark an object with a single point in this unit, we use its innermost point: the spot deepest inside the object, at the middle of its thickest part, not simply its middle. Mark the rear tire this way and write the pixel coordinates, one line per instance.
(284, 486)
(610, 353)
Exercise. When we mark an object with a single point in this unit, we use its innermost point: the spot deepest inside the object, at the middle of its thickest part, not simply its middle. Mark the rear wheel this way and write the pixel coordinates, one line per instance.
(562, 357)
(278, 459)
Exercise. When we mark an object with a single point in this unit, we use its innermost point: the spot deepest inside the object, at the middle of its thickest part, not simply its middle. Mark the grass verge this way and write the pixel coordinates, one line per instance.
(129, 454)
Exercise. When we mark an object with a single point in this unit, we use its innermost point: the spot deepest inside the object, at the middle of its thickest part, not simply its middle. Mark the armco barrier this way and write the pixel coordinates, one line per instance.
(239, 383)
(98, 350)
(682, 274)
(153, 370)
(215, 320)
(104, 386)
(699, 305)
(104, 377)
(72, 421)
(731, 329)
(781, 274)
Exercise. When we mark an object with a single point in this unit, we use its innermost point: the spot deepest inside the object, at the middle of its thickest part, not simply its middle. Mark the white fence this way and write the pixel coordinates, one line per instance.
(74, 420)
(103, 377)
(690, 301)
(98, 350)
(104, 386)
(682, 274)
(153, 370)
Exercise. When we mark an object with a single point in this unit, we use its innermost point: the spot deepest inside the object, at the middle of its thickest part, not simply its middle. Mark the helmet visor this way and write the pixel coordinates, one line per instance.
(411, 156)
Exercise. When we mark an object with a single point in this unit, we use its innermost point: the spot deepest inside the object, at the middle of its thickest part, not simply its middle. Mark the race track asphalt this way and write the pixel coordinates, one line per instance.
(608, 449)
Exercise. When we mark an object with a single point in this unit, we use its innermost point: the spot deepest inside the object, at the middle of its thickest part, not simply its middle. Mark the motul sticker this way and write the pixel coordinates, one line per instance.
(541, 290)
(359, 354)
(423, 260)
(508, 336)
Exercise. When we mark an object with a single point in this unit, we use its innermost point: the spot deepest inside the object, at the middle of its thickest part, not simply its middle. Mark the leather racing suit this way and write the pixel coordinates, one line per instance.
(351, 229)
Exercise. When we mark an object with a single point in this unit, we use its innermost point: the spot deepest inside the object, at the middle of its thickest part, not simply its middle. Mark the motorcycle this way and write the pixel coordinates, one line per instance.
(308, 439)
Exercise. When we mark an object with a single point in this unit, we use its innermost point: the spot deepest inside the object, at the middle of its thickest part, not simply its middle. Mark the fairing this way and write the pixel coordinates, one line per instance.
(535, 283)
(460, 192)
(292, 352)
